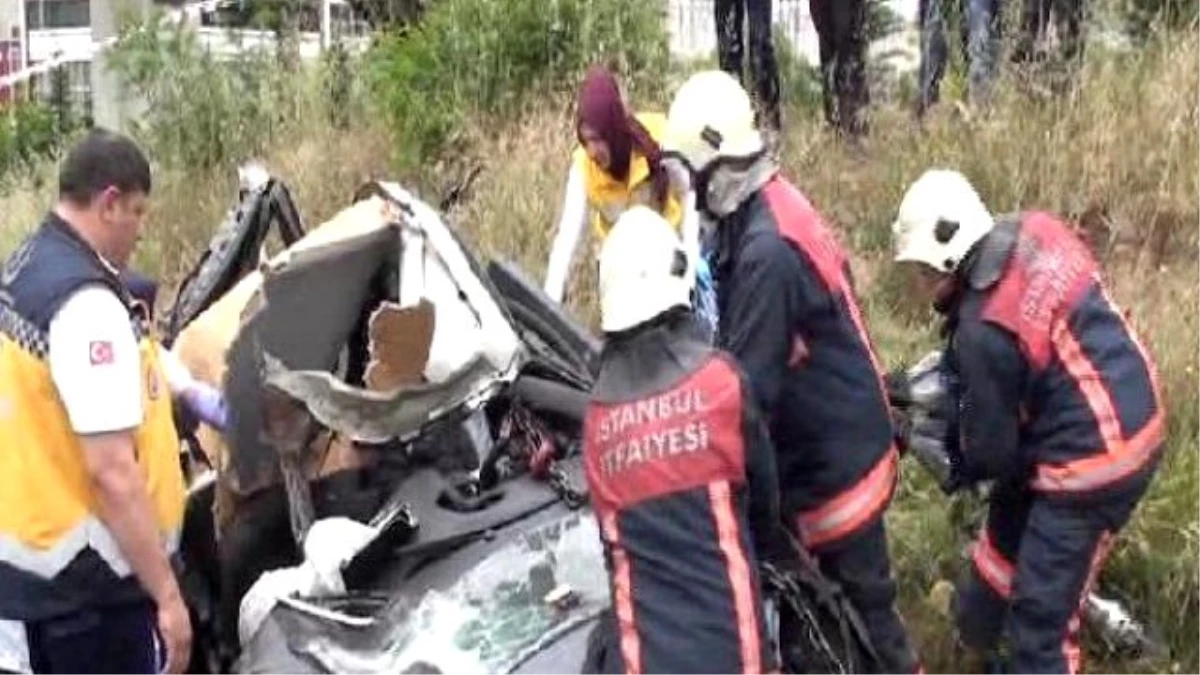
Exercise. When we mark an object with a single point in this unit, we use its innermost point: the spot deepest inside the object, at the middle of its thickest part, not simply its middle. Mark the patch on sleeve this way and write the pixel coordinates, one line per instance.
(100, 352)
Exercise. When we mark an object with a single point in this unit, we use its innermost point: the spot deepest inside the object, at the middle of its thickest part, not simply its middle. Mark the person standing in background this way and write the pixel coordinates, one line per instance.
(755, 15)
(841, 27)
(979, 25)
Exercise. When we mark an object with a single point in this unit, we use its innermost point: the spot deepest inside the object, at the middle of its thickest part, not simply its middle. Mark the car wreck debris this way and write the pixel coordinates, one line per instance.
(399, 340)
(374, 345)
(287, 426)
(400, 487)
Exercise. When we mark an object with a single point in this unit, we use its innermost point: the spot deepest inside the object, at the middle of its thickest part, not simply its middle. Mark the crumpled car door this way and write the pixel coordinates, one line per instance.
(303, 319)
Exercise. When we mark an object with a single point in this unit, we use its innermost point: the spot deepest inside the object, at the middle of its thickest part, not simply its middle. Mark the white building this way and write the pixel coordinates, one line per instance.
(10, 36)
(70, 36)
(10, 19)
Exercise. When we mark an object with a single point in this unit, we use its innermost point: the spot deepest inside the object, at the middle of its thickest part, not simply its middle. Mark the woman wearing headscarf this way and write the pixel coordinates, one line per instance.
(616, 165)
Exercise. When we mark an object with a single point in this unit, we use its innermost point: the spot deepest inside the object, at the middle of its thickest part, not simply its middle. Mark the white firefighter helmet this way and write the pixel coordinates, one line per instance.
(940, 218)
(643, 270)
(711, 118)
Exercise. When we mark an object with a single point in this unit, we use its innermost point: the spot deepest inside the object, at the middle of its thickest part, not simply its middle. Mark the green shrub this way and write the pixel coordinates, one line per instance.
(201, 111)
(195, 110)
(487, 58)
(29, 133)
(799, 80)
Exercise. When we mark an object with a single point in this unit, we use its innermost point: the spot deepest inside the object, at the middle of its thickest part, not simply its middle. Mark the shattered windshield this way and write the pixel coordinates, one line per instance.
(520, 598)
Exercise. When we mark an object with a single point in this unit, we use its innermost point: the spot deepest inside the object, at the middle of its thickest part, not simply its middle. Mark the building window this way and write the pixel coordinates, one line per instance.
(40, 14)
(70, 85)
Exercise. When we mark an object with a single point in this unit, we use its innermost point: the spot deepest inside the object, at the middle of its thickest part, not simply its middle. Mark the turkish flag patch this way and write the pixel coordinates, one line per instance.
(100, 352)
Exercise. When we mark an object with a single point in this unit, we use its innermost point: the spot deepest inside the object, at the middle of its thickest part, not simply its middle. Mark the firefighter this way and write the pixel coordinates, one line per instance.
(91, 490)
(680, 471)
(789, 315)
(1059, 406)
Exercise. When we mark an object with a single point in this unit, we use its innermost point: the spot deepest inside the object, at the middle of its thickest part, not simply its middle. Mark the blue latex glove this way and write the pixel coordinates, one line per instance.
(706, 297)
(207, 404)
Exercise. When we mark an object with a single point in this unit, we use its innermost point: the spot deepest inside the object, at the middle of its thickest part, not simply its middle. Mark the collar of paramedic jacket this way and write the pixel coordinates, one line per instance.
(55, 221)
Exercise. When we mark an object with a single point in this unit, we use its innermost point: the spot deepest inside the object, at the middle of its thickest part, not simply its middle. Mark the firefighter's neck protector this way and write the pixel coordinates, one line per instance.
(643, 271)
(940, 219)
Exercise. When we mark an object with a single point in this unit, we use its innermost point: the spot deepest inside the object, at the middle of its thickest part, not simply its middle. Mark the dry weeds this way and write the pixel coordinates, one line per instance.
(1120, 158)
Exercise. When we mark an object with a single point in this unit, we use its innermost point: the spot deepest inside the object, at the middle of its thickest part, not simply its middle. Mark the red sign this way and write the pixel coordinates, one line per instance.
(10, 62)
(100, 352)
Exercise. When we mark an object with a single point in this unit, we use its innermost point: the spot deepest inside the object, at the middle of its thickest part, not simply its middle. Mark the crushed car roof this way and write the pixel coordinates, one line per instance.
(295, 323)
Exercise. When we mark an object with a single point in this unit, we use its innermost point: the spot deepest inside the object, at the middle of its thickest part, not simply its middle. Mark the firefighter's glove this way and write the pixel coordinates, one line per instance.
(924, 412)
(899, 405)
(932, 442)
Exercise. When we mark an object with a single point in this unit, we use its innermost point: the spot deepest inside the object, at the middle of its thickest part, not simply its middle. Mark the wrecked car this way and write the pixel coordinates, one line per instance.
(399, 488)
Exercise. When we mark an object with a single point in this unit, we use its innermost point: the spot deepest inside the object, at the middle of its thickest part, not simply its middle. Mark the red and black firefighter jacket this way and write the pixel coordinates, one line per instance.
(790, 317)
(1055, 388)
(682, 480)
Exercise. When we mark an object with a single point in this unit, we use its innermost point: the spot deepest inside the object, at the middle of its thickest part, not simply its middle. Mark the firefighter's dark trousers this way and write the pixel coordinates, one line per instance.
(731, 15)
(1034, 562)
(860, 564)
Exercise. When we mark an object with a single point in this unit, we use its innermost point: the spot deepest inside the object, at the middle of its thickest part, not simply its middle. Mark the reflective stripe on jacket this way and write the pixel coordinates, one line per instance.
(681, 476)
(790, 316)
(55, 553)
(1057, 386)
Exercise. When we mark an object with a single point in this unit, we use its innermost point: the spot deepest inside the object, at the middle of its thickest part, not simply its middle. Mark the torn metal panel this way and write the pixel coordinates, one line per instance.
(412, 274)
(313, 303)
(320, 295)
(376, 417)
(203, 345)
(400, 340)
(473, 350)
(496, 337)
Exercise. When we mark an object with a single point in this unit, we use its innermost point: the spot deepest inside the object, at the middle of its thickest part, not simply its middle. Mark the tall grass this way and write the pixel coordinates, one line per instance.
(1119, 159)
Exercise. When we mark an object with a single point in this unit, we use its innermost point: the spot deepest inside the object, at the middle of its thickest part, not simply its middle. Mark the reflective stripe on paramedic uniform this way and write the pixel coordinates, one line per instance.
(56, 556)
